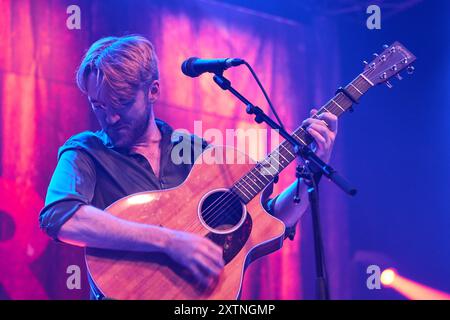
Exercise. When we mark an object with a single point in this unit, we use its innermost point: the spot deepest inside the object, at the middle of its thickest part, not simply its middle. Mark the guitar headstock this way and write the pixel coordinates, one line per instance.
(389, 63)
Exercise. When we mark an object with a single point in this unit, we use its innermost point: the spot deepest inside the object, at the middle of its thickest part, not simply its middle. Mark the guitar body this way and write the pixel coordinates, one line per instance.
(138, 275)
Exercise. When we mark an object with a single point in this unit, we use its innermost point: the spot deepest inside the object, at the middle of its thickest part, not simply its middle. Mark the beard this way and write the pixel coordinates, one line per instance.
(127, 134)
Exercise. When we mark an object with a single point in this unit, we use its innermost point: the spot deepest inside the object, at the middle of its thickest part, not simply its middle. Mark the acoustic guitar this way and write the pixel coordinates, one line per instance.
(220, 200)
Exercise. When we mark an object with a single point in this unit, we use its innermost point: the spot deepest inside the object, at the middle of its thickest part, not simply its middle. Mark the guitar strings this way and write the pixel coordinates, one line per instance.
(245, 179)
(214, 211)
(213, 214)
(232, 204)
(226, 197)
(215, 206)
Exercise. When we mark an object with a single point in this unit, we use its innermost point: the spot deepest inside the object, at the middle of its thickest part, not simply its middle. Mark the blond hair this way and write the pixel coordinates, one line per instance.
(124, 63)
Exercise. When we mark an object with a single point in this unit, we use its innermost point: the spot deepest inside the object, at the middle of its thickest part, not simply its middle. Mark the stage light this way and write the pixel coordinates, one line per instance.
(409, 288)
(387, 277)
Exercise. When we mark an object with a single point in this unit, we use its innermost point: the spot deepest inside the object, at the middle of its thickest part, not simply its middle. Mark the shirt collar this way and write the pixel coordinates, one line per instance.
(167, 140)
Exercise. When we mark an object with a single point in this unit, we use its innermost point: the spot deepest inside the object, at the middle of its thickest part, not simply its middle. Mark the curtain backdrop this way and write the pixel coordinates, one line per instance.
(41, 107)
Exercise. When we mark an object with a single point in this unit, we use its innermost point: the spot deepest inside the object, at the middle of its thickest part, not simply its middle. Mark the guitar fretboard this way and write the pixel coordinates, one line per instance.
(264, 171)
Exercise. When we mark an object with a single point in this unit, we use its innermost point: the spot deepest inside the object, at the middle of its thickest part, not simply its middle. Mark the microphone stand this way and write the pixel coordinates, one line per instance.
(312, 170)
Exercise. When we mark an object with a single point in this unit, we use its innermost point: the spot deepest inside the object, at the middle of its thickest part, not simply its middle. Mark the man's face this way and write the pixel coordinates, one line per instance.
(123, 124)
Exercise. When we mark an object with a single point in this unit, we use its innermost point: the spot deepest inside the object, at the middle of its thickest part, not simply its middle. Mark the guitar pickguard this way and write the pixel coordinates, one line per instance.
(233, 242)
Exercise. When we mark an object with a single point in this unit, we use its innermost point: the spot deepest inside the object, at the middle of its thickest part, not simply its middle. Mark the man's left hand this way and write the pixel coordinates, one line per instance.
(323, 129)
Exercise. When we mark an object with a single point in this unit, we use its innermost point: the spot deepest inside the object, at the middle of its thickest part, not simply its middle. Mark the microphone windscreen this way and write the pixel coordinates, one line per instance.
(188, 69)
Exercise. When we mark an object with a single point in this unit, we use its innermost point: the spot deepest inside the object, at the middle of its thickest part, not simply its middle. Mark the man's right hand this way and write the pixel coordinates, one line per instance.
(202, 257)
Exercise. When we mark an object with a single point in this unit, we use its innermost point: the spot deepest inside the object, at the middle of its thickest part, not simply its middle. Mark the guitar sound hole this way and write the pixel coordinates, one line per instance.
(222, 211)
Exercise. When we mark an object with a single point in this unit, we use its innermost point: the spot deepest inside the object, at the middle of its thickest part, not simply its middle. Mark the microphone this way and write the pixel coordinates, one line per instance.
(193, 67)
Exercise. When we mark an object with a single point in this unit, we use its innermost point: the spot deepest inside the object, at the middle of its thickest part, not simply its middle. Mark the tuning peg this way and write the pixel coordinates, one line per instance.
(399, 77)
(375, 55)
(410, 70)
(389, 85)
(365, 63)
(385, 46)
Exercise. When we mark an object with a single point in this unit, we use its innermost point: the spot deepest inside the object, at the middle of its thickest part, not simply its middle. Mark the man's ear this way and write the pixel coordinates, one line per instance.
(153, 91)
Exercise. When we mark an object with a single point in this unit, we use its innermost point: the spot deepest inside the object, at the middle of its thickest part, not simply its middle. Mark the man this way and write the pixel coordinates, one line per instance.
(132, 154)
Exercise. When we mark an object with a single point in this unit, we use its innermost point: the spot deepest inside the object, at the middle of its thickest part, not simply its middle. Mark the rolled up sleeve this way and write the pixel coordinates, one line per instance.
(72, 185)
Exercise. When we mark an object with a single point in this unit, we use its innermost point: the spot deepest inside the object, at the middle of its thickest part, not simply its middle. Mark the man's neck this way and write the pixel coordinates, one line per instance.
(150, 139)
(149, 146)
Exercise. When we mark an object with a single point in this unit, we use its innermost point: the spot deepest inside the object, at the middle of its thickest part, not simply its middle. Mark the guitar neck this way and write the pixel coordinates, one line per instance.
(264, 171)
